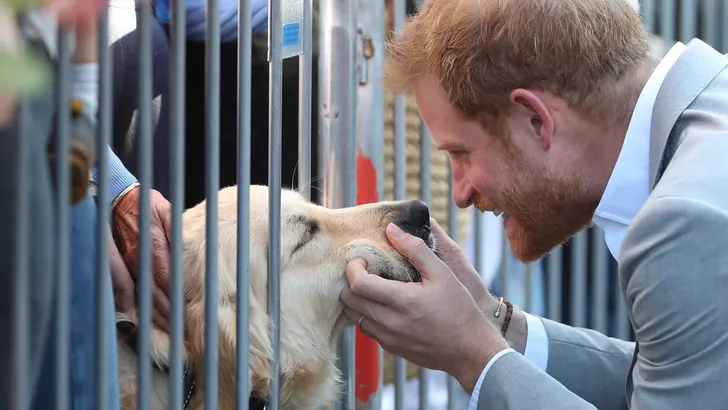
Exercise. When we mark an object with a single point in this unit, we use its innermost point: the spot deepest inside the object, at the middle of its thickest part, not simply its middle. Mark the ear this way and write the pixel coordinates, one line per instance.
(127, 327)
(533, 110)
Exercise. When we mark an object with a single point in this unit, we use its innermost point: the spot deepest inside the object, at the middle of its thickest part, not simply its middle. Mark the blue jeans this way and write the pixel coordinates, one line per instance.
(82, 323)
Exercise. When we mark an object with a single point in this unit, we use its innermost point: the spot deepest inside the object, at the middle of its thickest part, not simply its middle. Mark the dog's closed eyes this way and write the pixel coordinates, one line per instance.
(315, 245)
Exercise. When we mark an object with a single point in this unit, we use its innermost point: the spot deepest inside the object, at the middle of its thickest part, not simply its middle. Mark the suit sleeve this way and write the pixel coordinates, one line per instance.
(674, 269)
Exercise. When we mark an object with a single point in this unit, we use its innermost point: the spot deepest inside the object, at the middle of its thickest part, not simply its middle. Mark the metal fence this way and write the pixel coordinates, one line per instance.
(580, 286)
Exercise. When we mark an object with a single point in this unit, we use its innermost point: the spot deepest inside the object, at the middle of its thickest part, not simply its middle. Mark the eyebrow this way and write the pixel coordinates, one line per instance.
(312, 226)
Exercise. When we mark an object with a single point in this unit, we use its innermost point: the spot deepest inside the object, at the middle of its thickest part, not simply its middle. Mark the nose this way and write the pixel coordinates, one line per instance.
(414, 218)
(462, 193)
(417, 214)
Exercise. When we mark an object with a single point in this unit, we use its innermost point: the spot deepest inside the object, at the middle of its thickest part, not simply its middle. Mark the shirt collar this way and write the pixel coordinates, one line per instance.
(628, 186)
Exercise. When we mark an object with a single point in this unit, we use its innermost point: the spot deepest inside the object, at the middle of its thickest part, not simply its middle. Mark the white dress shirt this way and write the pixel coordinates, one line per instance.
(626, 192)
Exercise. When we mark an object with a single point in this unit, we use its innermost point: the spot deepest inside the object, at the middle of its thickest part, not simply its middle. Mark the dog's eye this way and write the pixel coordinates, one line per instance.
(312, 227)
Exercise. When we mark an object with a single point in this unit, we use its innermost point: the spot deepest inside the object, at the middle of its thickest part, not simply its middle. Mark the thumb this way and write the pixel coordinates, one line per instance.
(444, 241)
(417, 252)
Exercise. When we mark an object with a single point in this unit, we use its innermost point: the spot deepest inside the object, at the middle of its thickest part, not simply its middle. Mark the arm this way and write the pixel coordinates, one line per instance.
(674, 269)
(84, 77)
(583, 361)
(196, 11)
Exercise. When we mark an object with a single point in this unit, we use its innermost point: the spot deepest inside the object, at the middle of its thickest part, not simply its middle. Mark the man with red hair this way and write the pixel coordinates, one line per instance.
(556, 116)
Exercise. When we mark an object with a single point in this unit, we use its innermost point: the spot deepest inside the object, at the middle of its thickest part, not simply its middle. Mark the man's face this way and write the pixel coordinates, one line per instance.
(542, 200)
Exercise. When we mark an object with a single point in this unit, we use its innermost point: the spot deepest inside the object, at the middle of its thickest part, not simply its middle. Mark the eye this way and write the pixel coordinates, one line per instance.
(311, 229)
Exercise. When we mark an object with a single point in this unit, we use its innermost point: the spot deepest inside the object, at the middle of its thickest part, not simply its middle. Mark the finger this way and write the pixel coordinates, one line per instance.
(369, 326)
(444, 241)
(161, 262)
(370, 308)
(121, 280)
(376, 288)
(161, 303)
(417, 252)
(160, 321)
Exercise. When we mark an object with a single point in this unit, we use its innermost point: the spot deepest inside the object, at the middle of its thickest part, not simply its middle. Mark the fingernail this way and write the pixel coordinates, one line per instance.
(396, 231)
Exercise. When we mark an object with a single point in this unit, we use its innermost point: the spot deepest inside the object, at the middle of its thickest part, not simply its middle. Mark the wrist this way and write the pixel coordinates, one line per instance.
(487, 343)
(131, 188)
(517, 329)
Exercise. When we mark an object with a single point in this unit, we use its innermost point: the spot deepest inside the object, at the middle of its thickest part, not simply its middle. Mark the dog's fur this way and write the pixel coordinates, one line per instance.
(316, 243)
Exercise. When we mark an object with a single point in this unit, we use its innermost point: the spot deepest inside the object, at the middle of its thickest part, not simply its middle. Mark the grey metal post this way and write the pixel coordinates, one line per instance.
(63, 216)
(242, 347)
(400, 188)
(337, 137)
(103, 279)
(305, 70)
(177, 99)
(453, 228)
(688, 20)
(426, 196)
(555, 278)
(578, 278)
(667, 24)
(600, 280)
(144, 381)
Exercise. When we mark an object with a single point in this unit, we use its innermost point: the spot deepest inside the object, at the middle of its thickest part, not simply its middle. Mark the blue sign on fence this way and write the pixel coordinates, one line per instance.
(291, 34)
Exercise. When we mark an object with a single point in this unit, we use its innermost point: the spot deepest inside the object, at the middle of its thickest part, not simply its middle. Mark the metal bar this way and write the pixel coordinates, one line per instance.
(212, 186)
(242, 347)
(648, 14)
(667, 24)
(426, 196)
(724, 26)
(528, 272)
(400, 185)
(275, 138)
(305, 70)
(20, 388)
(711, 25)
(103, 279)
(688, 20)
(600, 281)
(144, 380)
(177, 99)
(623, 325)
(63, 216)
(578, 279)
(453, 230)
(505, 264)
(337, 142)
(554, 270)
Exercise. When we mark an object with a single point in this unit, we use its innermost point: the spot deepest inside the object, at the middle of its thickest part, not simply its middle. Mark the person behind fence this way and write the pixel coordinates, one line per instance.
(556, 116)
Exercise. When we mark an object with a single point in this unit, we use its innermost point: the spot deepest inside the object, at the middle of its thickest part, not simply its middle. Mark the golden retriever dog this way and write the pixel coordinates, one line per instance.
(316, 244)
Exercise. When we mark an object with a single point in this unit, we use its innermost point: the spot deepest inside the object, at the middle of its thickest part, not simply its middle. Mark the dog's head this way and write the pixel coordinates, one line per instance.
(315, 245)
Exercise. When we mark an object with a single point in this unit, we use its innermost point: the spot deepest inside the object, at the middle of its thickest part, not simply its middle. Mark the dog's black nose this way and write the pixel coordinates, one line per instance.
(414, 218)
(417, 214)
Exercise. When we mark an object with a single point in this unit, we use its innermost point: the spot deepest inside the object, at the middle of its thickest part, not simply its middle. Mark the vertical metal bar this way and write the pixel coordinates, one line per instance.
(400, 185)
(337, 143)
(688, 20)
(212, 186)
(103, 279)
(275, 138)
(555, 277)
(453, 213)
(623, 325)
(426, 195)
(724, 26)
(648, 14)
(528, 272)
(21, 389)
(242, 348)
(145, 179)
(305, 68)
(667, 24)
(505, 265)
(600, 280)
(578, 279)
(63, 216)
(177, 164)
(710, 20)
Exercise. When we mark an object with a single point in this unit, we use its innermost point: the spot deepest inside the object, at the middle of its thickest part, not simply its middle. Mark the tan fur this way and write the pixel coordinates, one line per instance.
(310, 282)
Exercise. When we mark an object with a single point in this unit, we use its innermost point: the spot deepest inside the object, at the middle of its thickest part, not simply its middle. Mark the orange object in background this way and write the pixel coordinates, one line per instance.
(367, 349)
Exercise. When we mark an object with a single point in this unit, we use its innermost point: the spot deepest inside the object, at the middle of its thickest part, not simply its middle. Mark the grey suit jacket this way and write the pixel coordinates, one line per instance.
(673, 273)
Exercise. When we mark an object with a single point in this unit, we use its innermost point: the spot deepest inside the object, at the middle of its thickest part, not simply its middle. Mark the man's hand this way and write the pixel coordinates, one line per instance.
(124, 292)
(126, 228)
(434, 323)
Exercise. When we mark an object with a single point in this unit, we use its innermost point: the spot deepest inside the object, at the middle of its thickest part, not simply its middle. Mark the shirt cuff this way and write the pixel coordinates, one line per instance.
(537, 342)
(473, 405)
(119, 177)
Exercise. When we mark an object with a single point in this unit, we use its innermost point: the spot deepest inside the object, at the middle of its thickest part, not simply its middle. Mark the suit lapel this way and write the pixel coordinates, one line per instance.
(698, 65)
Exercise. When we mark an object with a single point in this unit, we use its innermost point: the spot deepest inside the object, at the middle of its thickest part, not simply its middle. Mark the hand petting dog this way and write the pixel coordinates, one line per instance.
(435, 323)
